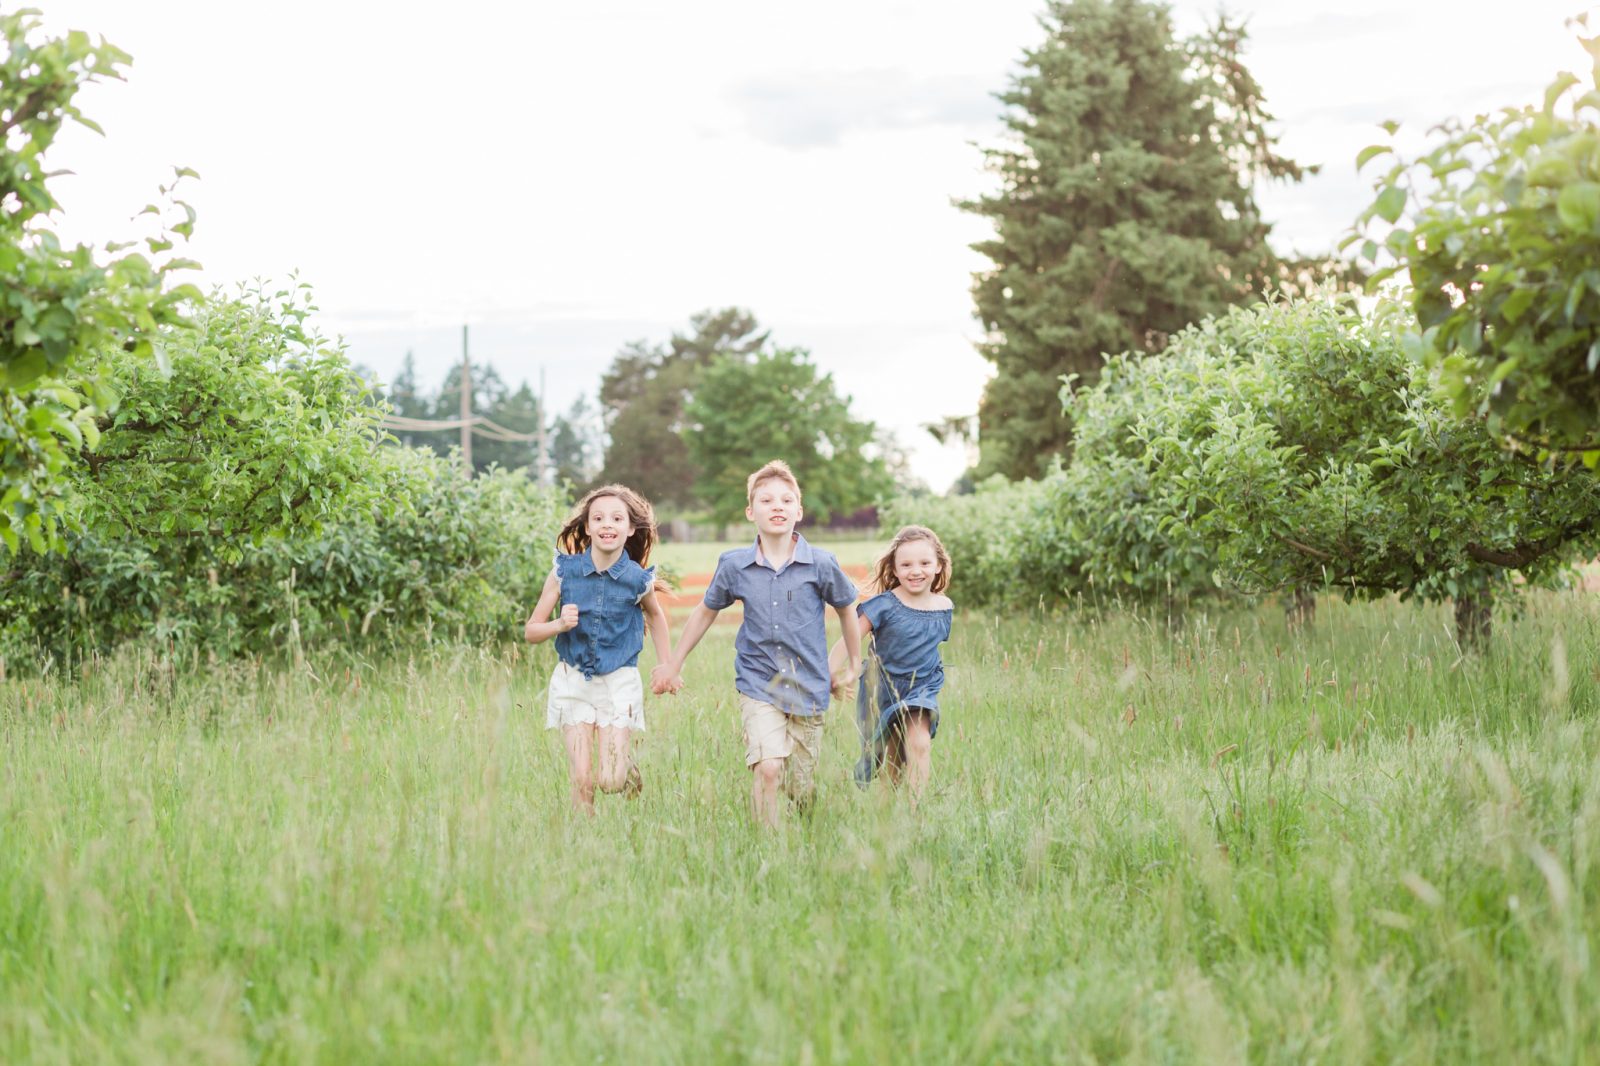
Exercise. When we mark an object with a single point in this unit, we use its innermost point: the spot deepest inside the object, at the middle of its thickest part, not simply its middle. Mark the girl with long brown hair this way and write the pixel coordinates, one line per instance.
(607, 592)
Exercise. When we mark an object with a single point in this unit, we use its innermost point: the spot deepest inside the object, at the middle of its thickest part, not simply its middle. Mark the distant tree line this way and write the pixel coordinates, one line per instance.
(573, 438)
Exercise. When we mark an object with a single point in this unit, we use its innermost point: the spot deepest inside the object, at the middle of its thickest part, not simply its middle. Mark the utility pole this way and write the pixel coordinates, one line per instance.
(466, 404)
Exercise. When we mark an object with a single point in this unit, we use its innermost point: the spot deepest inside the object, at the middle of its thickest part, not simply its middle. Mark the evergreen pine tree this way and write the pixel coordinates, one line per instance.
(1126, 209)
(574, 446)
(403, 396)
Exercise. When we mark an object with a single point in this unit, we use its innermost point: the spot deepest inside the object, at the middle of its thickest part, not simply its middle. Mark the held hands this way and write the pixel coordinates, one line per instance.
(664, 679)
(844, 683)
(569, 618)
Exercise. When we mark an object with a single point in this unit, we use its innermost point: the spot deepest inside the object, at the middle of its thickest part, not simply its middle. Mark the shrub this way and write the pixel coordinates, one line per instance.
(1295, 444)
(243, 501)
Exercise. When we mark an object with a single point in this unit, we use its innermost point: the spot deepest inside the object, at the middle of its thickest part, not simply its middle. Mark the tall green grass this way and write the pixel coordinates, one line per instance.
(1222, 844)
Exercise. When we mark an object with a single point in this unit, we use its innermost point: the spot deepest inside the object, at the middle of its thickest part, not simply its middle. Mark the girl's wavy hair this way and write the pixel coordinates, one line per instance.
(883, 578)
(574, 536)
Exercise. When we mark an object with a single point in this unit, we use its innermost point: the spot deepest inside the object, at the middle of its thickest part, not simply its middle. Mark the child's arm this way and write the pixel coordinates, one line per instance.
(662, 678)
(702, 616)
(851, 625)
(699, 622)
(540, 626)
(838, 658)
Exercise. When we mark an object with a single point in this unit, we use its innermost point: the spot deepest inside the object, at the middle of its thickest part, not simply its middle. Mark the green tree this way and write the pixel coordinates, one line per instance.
(1125, 211)
(60, 306)
(1296, 445)
(488, 391)
(1497, 228)
(517, 411)
(776, 406)
(643, 396)
(575, 447)
(406, 398)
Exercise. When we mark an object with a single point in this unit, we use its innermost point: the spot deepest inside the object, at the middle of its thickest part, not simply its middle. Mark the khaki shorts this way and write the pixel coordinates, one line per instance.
(771, 734)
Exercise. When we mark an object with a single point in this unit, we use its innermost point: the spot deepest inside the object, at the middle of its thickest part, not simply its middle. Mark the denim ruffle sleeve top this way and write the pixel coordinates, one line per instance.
(610, 632)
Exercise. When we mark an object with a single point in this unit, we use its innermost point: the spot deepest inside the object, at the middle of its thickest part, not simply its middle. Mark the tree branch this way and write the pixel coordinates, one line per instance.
(1306, 549)
(1532, 551)
(1102, 288)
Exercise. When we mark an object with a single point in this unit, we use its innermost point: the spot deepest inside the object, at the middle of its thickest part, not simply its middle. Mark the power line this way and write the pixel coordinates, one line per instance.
(477, 424)
(471, 425)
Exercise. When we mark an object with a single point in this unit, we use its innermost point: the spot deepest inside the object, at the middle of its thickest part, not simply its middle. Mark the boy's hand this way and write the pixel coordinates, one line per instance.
(569, 617)
(844, 684)
(664, 679)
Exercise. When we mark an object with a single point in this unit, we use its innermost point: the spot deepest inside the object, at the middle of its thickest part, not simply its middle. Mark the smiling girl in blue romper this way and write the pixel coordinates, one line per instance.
(898, 708)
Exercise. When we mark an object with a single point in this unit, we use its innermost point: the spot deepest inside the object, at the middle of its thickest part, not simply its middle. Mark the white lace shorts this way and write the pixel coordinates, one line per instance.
(614, 699)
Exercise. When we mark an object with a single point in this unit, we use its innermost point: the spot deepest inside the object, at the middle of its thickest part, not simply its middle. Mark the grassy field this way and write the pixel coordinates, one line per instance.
(1225, 845)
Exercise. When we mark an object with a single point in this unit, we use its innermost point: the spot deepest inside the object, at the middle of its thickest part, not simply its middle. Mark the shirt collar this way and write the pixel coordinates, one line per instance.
(801, 553)
(615, 570)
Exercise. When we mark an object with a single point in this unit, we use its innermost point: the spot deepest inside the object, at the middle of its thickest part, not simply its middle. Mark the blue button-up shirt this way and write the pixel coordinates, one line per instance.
(781, 651)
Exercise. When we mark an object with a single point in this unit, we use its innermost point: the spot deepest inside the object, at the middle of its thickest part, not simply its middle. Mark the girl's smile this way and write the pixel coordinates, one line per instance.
(609, 526)
(915, 566)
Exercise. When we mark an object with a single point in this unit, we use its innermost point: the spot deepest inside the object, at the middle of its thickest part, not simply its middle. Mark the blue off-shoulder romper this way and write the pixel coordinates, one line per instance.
(902, 669)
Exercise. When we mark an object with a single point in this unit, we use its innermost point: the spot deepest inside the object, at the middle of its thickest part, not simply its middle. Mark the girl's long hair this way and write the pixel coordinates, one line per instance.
(574, 536)
(883, 578)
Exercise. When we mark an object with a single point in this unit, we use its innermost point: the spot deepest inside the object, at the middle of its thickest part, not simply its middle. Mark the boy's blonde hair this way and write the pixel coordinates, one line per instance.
(777, 470)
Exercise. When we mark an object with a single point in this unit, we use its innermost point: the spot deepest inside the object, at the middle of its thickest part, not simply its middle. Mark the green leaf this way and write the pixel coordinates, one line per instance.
(1578, 206)
(1563, 82)
(1381, 276)
(1503, 369)
(1516, 304)
(1575, 296)
(1552, 172)
(1369, 153)
(1391, 202)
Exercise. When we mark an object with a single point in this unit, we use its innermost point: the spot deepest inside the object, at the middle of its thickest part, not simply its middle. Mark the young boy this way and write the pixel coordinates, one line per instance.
(780, 661)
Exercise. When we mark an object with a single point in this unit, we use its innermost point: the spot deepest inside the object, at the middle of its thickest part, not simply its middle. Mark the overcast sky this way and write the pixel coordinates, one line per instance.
(567, 178)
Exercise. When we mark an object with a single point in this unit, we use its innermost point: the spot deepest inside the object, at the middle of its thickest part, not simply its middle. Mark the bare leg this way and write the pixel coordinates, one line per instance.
(616, 757)
(765, 777)
(894, 751)
(580, 764)
(917, 741)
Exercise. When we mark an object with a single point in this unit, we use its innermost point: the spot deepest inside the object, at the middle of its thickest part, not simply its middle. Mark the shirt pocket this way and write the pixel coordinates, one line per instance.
(803, 604)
